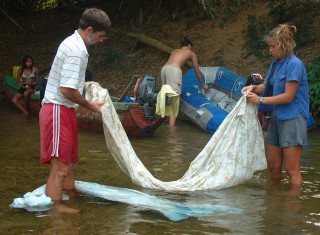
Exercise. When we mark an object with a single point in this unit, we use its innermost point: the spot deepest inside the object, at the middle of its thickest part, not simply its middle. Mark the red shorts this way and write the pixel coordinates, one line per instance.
(58, 133)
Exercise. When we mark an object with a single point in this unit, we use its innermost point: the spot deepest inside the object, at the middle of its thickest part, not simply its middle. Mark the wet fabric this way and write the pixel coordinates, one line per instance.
(37, 201)
(232, 155)
(162, 108)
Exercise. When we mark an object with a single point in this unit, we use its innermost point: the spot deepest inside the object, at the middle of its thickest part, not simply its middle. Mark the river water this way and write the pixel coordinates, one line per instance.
(167, 156)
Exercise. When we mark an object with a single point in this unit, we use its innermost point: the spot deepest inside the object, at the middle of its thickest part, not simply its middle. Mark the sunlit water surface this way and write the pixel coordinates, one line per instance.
(167, 156)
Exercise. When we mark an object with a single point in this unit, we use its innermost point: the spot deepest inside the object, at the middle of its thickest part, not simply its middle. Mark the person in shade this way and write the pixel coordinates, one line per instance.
(27, 79)
(285, 91)
(58, 122)
(171, 73)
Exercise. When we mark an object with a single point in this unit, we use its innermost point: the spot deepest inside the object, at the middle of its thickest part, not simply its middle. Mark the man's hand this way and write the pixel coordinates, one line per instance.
(95, 106)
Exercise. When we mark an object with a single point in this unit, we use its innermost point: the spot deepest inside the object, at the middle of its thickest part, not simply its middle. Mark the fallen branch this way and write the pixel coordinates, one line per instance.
(150, 42)
(12, 20)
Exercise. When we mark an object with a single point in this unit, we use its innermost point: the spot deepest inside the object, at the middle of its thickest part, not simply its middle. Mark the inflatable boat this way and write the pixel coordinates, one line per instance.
(208, 108)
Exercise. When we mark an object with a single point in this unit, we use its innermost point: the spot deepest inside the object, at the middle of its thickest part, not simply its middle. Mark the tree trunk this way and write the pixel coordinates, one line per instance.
(150, 42)
(12, 20)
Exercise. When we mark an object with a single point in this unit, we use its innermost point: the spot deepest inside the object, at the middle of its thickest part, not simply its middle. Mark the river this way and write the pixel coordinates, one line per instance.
(167, 156)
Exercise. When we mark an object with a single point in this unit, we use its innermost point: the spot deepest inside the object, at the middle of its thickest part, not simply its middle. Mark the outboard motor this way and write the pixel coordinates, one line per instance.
(145, 94)
(254, 79)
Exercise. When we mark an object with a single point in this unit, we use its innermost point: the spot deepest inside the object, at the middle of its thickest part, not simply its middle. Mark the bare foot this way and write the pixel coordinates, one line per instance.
(292, 192)
(59, 207)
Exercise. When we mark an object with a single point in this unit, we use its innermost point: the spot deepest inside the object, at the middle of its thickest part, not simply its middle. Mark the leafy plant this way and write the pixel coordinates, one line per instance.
(313, 73)
(226, 10)
(301, 13)
(257, 29)
(282, 11)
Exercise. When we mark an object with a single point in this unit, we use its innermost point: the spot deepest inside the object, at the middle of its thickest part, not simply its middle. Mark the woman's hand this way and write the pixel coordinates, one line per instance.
(23, 85)
(253, 98)
(249, 88)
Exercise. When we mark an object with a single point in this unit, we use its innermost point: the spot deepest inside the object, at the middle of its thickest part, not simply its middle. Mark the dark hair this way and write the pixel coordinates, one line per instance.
(186, 42)
(95, 18)
(24, 60)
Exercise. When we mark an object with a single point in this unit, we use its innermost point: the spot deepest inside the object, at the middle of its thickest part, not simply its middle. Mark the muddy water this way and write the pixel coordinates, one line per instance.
(167, 155)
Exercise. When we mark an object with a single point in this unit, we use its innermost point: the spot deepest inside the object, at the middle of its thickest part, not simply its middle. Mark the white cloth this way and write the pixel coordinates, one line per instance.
(174, 211)
(33, 201)
(232, 155)
(162, 108)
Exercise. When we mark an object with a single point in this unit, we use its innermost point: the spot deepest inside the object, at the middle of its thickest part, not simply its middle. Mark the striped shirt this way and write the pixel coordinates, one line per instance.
(68, 70)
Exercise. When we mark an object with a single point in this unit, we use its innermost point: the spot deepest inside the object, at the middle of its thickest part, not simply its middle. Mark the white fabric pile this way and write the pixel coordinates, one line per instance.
(33, 201)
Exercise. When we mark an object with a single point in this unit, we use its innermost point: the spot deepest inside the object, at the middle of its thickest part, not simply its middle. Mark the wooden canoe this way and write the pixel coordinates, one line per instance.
(131, 114)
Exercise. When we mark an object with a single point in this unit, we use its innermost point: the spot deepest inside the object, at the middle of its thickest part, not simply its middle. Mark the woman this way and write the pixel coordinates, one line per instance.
(27, 79)
(286, 92)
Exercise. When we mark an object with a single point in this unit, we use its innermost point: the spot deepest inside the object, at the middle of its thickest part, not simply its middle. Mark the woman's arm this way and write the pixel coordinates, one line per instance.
(291, 89)
(19, 79)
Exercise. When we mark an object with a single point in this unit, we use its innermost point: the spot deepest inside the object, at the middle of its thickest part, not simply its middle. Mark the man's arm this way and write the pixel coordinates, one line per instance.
(194, 60)
(75, 96)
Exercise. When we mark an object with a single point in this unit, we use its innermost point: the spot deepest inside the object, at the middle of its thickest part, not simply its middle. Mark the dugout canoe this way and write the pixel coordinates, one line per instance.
(131, 114)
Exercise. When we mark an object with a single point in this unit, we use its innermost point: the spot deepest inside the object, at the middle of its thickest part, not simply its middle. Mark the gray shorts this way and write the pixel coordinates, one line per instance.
(172, 75)
(287, 133)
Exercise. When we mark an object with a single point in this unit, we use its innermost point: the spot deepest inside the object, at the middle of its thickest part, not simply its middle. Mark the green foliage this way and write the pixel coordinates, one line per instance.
(313, 72)
(226, 10)
(46, 4)
(109, 56)
(298, 12)
(256, 31)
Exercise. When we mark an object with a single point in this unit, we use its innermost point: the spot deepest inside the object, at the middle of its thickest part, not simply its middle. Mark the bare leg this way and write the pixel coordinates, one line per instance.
(69, 181)
(58, 171)
(292, 157)
(172, 120)
(15, 100)
(27, 102)
(275, 161)
(27, 94)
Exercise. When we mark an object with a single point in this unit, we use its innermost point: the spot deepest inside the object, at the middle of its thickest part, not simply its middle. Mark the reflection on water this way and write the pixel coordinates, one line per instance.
(167, 155)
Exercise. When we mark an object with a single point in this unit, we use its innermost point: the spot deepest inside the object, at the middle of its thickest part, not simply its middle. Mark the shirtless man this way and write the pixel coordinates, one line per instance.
(171, 72)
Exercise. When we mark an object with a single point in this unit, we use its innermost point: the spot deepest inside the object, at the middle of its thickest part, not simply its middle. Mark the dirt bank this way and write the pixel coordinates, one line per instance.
(114, 62)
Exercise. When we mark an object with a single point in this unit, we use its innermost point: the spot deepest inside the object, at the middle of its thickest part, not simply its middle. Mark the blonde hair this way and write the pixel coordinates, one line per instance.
(283, 35)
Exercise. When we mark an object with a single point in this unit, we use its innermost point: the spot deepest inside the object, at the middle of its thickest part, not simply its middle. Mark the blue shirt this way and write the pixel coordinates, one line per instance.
(282, 71)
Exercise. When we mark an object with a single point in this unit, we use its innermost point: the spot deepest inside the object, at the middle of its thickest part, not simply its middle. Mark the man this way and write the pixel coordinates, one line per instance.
(171, 72)
(58, 122)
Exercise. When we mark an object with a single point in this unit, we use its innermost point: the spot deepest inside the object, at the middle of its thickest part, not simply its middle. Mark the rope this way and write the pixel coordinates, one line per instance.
(236, 86)
(219, 79)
